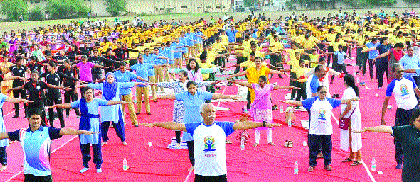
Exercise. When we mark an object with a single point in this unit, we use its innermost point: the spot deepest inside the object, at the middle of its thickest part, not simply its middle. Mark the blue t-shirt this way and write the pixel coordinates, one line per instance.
(373, 53)
(231, 35)
(314, 84)
(142, 70)
(125, 77)
(192, 104)
(36, 148)
(340, 57)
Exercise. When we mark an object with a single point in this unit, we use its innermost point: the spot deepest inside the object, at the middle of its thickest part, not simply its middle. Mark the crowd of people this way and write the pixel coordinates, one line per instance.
(192, 58)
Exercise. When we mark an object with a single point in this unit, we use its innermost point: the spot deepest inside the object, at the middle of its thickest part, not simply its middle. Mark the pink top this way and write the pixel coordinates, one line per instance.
(262, 96)
(85, 71)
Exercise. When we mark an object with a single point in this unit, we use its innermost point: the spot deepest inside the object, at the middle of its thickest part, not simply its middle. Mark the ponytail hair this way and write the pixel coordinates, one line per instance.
(349, 80)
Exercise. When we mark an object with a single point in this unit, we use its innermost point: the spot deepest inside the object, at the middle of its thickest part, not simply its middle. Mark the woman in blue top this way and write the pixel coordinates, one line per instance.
(193, 99)
(89, 120)
(179, 87)
(111, 92)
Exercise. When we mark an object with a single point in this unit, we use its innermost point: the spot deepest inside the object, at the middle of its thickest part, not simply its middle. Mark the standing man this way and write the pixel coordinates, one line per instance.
(404, 90)
(210, 147)
(35, 90)
(18, 70)
(97, 60)
(125, 76)
(142, 70)
(37, 167)
(410, 61)
(312, 83)
(85, 69)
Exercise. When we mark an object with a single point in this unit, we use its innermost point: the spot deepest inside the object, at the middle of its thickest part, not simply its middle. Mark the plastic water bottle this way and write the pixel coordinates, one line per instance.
(357, 79)
(289, 122)
(296, 168)
(373, 166)
(242, 142)
(281, 109)
(125, 165)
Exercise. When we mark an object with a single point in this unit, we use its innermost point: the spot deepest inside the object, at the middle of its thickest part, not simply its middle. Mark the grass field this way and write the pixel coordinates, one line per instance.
(7, 26)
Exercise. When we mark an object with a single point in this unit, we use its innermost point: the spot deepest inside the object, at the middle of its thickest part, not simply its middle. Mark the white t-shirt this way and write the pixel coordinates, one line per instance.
(349, 93)
(403, 90)
(210, 147)
(321, 111)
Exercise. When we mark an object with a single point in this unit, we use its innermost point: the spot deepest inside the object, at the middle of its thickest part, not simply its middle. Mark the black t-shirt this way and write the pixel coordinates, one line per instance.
(36, 91)
(60, 59)
(53, 79)
(68, 81)
(96, 60)
(18, 71)
(410, 139)
(111, 63)
(35, 66)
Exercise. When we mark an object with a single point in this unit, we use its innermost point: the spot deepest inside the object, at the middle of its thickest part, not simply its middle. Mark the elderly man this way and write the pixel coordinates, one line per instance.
(404, 90)
(210, 157)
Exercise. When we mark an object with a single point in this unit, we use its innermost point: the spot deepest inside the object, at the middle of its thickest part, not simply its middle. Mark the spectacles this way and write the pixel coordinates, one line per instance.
(323, 92)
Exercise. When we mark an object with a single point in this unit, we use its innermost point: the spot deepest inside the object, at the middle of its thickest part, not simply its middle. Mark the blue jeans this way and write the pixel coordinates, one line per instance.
(315, 143)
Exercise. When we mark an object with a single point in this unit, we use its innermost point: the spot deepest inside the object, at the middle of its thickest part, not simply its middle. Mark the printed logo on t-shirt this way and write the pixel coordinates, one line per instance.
(209, 144)
(404, 90)
(322, 118)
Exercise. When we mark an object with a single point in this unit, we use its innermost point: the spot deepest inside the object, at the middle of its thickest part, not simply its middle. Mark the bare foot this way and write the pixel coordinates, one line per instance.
(3, 167)
(191, 168)
(255, 144)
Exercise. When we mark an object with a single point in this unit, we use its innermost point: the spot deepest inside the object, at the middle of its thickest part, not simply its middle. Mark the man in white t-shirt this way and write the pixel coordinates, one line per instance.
(210, 144)
(404, 90)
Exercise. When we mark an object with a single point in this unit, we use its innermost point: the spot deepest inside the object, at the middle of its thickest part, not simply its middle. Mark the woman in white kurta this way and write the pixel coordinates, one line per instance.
(111, 92)
(351, 141)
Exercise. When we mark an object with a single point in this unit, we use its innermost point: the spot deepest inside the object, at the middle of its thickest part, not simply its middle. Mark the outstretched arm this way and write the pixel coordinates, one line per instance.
(238, 74)
(69, 131)
(167, 125)
(17, 100)
(292, 102)
(245, 125)
(246, 84)
(222, 96)
(116, 102)
(349, 100)
(380, 128)
(4, 135)
(285, 87)
(62, 106)
(170, 96)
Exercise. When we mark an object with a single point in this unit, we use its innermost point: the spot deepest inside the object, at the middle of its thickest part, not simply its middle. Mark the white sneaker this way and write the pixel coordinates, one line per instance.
(98, 170)
(84, 170)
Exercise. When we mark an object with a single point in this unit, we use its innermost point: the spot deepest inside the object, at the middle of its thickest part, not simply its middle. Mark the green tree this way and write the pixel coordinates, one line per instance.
(36, 14)
(60, 9)
(115, 7)
(14, 8)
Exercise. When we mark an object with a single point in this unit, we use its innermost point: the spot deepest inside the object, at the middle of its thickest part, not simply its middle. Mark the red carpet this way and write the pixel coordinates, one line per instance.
(264, 163)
